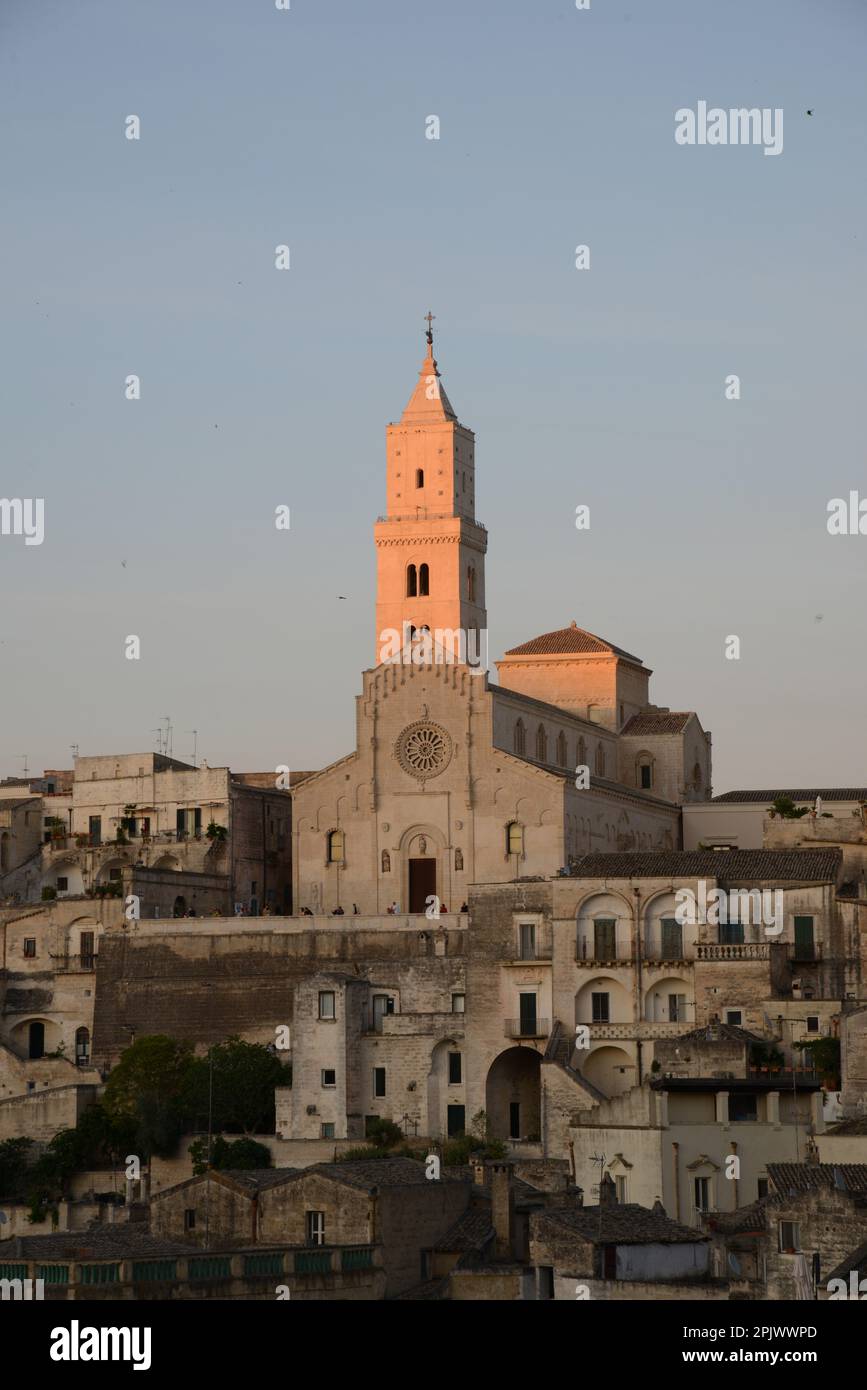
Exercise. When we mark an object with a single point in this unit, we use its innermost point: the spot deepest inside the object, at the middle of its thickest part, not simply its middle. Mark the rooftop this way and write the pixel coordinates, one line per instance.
(655, 724)
(773, 865)
(799, 794)
(806, 1177)
(566, 640)
(622, 1224)
(102, 1243)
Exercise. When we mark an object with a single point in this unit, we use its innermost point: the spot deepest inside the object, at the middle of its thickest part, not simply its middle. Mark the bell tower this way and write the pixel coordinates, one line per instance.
(430, 548)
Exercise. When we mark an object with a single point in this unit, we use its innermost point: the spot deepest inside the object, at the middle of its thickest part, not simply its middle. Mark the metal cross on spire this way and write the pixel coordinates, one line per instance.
(429, 317)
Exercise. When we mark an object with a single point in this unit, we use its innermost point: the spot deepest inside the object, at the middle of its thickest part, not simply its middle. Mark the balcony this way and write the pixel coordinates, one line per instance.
(527, 1028)
(802, 953)
(590, 952)
(744, 950)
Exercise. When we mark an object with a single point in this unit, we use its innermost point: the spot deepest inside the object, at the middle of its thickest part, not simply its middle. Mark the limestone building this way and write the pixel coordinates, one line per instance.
(456, 779)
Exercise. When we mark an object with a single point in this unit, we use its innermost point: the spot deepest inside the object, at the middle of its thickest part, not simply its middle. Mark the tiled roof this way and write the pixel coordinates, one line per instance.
(102, 1243)
(257, 1179)
(376, 1172)
(569, 639)
(857, 1260)
(654, 724)
(799, 794)
(805, 1177)
(743, 1220)
(472, 1231)
(621, 1224)
(431, 1289)
(801, 866)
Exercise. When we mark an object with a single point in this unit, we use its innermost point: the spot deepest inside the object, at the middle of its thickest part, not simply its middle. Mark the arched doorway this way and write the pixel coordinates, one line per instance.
(513, 1095)
(180, 906)
(36, 1040)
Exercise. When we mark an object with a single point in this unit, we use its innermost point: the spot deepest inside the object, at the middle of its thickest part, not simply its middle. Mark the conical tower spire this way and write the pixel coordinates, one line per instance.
(428, 402)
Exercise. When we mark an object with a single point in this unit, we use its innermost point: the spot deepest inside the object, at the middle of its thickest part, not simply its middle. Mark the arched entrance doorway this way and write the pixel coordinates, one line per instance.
(180, 906)
(513, 1095)
(36, 1040)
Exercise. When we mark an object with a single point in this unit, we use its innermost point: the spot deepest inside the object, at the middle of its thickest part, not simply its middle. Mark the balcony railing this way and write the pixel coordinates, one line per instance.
(804, 952)
(527, 1028)
(604, 953)
(744, 950)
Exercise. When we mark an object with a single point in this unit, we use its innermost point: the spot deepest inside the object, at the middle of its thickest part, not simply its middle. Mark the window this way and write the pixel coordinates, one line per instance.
(471, 584)
(419, 477)
(812, 1023)
(423, 580)
(329, 1076)
(805, 946)
(335, 846)
(620, 1188)
(86, 949)
(646, 772)
(743, 1108)
(541, 744)
(527, 941)
(601, 1012)
(581, 754)
(326, 1003)
(82, 1047)
(701, 1193)
(379, 1082)
(326, 1130)
(190, 1219)
(731, 933)
(315, 1227)
(677, 1008)
(95, 828)
(411, 581)
(672, 938)
(455, 1072)
(30, 948)
(604, 942)
(459, 1003)
(514, 838)
(696, 777)
(527, 1020)
(762, 1187)
(736, 1017)
(62, 884)
(790, 1238)
(600, 760)
(520, 737)
(561, 749)
(546, 1282)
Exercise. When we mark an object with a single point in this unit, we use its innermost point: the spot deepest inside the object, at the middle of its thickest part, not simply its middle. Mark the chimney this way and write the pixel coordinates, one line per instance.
(502, 1209)
(607, 1192)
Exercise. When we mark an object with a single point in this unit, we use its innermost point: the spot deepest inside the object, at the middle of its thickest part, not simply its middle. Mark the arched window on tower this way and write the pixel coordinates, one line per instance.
(561, 749)
(423, 580)
(471, 584)
(335, 846)
(541, 744)
(645, 771)
(696, 777)
(411, 582)
(419, 477)
(600, 760)
(581, 753)
(520, 737)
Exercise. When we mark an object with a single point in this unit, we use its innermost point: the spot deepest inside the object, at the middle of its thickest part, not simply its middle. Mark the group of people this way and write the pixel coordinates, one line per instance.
(393, 910)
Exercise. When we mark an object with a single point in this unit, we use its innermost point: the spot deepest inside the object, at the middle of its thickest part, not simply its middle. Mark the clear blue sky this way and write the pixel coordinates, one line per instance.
(306, 127)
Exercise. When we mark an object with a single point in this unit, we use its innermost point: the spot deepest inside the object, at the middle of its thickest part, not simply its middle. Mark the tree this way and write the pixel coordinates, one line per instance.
(235, 1083)
(147, 1086)
(15, 1162)
(785, 808)
(227, 1155)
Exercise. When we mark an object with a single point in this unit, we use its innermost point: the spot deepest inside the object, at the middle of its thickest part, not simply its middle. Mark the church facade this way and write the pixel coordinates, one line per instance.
(456, 779)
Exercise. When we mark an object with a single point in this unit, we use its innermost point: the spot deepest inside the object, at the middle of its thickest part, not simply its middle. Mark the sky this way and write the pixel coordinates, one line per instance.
(603, 387)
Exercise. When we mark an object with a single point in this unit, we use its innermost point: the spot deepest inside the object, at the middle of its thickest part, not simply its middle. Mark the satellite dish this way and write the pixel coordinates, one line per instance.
(734, 1264)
